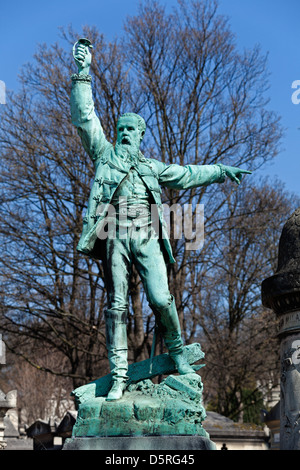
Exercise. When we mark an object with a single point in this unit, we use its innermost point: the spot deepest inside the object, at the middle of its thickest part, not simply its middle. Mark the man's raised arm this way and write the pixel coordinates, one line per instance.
(82, 104)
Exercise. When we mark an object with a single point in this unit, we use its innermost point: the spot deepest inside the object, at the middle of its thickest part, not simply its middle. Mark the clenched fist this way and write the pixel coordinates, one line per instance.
(82, 55)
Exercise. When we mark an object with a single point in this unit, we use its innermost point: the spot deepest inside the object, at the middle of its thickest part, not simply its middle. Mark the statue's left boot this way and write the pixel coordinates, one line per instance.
(169, 323)
(116, 342)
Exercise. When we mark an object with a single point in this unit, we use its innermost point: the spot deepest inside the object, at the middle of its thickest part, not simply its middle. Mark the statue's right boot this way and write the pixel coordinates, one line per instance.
(170, 325)
(116, 391)
(116, 342)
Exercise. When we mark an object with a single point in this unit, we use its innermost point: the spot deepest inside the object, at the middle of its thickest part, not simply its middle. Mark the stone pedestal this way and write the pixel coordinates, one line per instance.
(281, 293)
(133, 443)
(165, 416)
(290, 392)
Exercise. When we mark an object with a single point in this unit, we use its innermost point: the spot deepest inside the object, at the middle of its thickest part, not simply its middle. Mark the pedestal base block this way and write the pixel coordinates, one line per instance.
(151, 443)
(174, 407)
(149, 416)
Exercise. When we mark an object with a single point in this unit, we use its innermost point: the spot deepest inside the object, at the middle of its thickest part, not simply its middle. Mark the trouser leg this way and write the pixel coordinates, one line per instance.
(150, 263)
(168, 322)
(117, 268)
(116, 342)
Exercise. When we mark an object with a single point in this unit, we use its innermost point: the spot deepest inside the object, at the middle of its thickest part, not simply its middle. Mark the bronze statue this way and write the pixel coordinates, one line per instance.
(130, 183)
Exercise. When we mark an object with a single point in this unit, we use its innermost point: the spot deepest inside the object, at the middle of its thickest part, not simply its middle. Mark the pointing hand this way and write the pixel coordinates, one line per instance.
(235, 174)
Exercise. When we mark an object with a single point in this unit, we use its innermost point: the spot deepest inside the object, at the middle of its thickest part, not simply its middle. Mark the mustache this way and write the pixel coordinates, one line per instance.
(126, 140)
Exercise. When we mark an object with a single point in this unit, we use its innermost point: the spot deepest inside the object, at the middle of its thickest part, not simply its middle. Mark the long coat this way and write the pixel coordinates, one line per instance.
(110, 170)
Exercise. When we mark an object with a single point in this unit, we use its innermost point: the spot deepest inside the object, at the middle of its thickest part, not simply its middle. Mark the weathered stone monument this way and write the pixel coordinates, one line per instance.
(7, 401)
(147, 414)
(124, 226)
(281, 293)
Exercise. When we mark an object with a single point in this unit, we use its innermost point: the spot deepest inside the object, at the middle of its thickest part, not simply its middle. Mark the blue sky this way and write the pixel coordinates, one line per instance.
(274, 24)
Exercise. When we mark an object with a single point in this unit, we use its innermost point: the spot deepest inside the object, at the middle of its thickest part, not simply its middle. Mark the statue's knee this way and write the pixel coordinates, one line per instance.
(161, 302)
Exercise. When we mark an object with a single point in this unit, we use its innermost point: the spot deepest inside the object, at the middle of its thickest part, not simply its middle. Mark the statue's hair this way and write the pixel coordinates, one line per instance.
(141, 121)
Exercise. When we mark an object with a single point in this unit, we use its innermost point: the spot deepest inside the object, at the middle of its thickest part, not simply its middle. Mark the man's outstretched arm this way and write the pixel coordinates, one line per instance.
(191, 176)
(82, 105)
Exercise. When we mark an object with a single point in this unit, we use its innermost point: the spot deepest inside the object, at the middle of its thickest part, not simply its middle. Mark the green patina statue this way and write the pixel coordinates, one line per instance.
(130, 184)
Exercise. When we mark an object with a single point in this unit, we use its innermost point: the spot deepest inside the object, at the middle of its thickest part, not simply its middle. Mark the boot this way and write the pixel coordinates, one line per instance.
(116, 342)
(169, 323)
(182, 365)
(116, 391)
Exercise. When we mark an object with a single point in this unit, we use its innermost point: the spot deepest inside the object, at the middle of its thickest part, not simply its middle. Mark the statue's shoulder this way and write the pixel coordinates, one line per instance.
(109, 151)
(106, 154)
(152, 164)
(156, 165)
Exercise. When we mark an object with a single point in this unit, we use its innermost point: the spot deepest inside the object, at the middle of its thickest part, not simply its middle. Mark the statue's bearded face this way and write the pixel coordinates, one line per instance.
(129, 136)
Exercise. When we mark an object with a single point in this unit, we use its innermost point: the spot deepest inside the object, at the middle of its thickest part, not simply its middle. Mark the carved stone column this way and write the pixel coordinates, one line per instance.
(281, 293)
